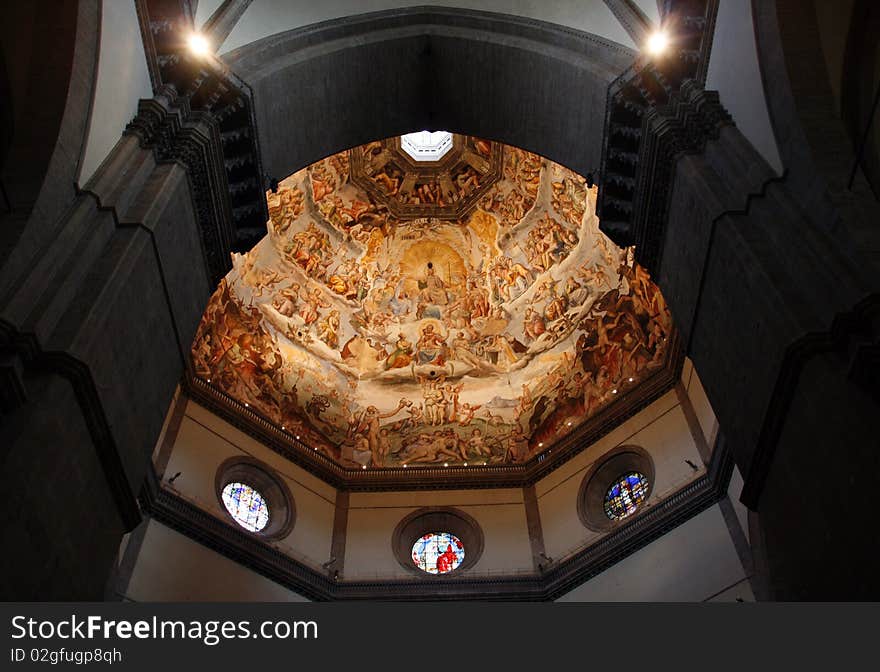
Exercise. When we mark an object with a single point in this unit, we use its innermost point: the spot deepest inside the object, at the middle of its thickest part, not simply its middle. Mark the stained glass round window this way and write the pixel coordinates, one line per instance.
(246, 505)
(438, 552)
(625, 495)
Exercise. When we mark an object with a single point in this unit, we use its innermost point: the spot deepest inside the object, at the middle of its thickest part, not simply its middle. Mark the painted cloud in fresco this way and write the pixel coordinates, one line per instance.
(385, 339)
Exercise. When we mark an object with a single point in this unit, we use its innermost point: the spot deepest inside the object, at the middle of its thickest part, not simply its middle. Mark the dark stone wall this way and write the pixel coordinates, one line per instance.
(61, 526)
(108, 313)
(813, 139)
(323, 89)
(780, 316)
(817, 506)
(50, 101)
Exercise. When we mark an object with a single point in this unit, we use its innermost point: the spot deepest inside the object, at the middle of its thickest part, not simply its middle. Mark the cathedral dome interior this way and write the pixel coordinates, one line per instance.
(479, 300)
(461, 312)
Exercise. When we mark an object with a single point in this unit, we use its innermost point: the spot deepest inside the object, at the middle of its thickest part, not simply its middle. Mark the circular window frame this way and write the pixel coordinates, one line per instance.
(428, 520)
(602, 475)
(269, 484)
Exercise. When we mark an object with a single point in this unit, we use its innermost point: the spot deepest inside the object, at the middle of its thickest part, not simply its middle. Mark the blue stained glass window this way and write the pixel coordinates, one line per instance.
(438, 553)
(246, 506)
(625, 495)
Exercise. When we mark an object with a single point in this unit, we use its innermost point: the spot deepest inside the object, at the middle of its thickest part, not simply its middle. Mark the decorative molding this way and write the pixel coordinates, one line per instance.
(208, 86)
(558, 578)
(692, 117)
(649, 84)
(166, 125)
(266, 432)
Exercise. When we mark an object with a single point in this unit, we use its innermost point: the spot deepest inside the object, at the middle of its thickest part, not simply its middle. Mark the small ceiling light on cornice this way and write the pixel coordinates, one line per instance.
(199, 45)
(657, 43)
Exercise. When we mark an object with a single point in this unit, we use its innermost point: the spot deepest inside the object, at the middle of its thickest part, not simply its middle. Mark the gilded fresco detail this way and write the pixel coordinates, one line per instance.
(477, 337)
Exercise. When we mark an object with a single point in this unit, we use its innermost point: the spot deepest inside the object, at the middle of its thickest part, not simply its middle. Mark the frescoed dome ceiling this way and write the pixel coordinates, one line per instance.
(406, 314)
(447, 187)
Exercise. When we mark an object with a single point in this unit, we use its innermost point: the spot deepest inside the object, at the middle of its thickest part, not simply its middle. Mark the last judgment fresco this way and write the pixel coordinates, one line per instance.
(478, 337)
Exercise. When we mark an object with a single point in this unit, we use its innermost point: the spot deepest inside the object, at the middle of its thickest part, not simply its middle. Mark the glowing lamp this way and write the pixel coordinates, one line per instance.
(657, 43)
(198, 44)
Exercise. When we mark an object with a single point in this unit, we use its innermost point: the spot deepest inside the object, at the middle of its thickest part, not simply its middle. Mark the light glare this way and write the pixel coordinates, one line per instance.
(657, 43)
(199, 45)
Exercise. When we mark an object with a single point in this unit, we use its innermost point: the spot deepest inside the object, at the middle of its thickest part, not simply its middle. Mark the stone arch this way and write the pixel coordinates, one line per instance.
(343, 83)
(51, 92)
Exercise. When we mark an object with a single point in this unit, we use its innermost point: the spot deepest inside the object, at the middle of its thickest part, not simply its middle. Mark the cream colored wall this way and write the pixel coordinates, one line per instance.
(204, 441)
(372, 518)
(700, 402)
(173, 568)
(695, 562)
(662, 430)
